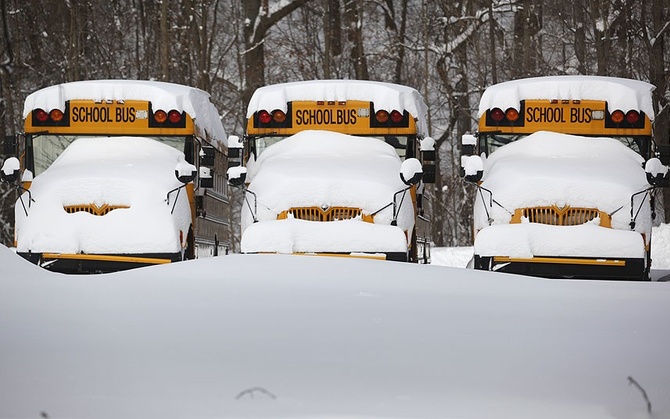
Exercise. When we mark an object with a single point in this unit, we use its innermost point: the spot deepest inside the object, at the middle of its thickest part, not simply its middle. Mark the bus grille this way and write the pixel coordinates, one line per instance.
(92, 208)
(565, 216)
(320, 214)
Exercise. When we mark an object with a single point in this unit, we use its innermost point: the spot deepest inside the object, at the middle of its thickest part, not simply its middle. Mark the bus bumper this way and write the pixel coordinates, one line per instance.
(84, 263)
(345, 238)
(567, 267)
(392, 256)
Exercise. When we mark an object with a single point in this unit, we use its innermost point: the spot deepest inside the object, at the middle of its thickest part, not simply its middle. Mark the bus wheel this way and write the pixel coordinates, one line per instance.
(414, 251)
(187, 252)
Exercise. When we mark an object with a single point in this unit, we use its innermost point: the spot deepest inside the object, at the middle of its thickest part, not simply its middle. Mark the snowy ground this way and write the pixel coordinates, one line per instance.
(291, 336)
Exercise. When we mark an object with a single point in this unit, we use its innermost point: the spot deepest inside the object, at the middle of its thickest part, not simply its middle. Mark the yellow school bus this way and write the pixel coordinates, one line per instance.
(379, 117)
(518, 108)
(118, 174)
(555, 156)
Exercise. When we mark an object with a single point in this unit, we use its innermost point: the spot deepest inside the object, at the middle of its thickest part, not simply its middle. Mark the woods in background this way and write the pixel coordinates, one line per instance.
(448, 50)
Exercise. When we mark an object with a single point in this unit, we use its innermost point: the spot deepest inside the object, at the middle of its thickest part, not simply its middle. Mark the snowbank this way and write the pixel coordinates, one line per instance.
(132, 172)
(386, 96)
(660, 247)
(622, 94)
(286, 336)
(456, 257)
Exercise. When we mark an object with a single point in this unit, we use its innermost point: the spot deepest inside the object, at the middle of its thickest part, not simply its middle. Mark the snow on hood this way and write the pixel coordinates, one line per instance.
(548, 168)
(323, 168)
(623, 94)
(166, 96)
(387, 96)
(123, 171)
(315, 168)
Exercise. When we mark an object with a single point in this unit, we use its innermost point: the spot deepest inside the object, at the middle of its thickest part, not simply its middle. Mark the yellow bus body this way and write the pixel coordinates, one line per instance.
(576, 117)
(352, 117)
(129, 117)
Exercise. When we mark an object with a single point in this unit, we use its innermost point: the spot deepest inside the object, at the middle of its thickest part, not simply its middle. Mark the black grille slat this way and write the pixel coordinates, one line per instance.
(92, 209)
(560, 216)
(330, 214)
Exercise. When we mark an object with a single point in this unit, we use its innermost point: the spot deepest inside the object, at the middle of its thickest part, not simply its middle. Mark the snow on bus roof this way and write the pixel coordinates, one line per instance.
(387, 96)
(166, 96)
(623, 94)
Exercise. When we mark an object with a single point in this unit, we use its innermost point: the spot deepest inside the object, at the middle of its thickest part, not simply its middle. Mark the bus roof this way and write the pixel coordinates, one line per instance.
(623, 94)
(166, 96)
(386, 96)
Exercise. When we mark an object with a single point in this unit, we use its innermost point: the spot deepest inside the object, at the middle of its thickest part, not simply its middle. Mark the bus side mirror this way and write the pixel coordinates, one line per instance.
(411, 171)
(234, 151)
(207, 153)
(472, 168)
(185, 172)
(468, 143)
(657, 172)
(428, 159)
(10, 147)
(11, 170)
(236, 175)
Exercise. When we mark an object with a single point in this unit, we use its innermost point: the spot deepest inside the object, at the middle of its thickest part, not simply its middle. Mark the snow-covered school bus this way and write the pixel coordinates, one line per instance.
(117, 174)
(335, 167)
(566, 174)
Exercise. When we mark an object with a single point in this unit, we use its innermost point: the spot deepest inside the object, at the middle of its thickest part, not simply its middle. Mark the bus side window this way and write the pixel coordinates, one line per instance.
(189, 150)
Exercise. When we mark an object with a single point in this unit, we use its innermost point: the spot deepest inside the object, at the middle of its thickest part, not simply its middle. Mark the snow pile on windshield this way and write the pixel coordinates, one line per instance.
(623, 94)
(166, 96)
(326, 169)
(131, 172)
(546, 169)
(386, 96)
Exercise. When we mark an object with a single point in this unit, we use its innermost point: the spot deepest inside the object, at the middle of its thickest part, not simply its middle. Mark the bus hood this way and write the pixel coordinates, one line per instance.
(546, 169)
(105, 195)
(328, 169)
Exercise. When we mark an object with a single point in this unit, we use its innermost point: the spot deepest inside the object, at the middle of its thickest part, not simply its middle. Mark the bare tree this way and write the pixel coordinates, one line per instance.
(259, 18)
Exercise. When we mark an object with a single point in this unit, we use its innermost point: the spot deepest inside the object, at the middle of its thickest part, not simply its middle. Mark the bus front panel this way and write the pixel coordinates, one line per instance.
(109, 118)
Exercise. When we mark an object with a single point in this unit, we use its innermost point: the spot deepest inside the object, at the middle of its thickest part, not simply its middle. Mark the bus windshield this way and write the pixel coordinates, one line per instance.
(399, 142)
(47, 148)
(489, 143)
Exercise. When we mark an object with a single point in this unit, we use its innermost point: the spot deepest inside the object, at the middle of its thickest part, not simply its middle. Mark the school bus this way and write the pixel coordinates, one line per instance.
(117, 174)
(554, 158)
(335, 131)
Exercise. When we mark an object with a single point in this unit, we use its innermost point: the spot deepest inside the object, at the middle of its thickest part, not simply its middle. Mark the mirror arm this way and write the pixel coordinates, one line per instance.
(396, 209)
(167, 198)
(381, 209)
(30, 198)
(632, 204)
(488, 216)
(255, 210)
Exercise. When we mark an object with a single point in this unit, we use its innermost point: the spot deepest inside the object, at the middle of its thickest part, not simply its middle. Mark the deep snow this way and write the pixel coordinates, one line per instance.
(300, 336)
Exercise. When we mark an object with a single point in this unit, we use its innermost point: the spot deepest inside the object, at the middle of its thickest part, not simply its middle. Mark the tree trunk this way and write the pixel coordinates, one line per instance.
(165, 41)
(580, 36)
(353, 16)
